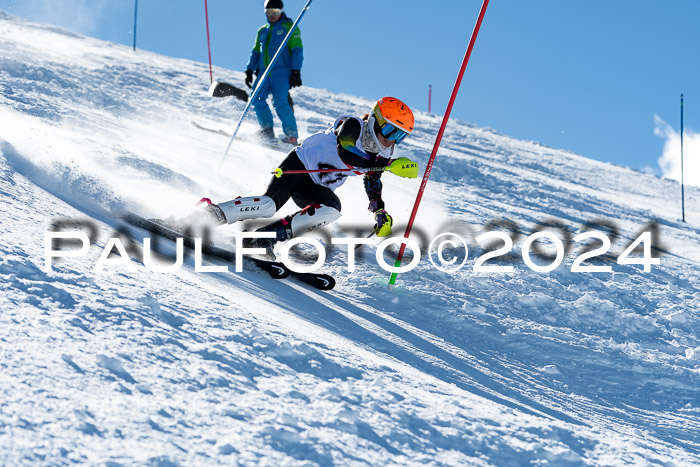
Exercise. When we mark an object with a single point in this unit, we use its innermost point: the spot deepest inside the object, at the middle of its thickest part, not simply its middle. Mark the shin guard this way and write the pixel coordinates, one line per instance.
(312, 217)
(250, 207)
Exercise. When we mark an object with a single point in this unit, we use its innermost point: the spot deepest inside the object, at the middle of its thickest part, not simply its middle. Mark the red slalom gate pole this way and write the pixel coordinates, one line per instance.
(206, 18)
(429, 167)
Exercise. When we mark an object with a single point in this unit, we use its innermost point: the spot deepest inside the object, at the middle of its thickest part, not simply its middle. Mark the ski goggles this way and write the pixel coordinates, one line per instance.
(392, 132)
(273, 11)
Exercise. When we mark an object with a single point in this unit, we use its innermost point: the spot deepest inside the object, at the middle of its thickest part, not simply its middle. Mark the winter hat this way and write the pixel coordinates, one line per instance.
(274, 4)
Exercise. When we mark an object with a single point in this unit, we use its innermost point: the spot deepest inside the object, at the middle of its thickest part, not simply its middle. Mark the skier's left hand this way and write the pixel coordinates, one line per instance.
(383, 223)
(295, 79)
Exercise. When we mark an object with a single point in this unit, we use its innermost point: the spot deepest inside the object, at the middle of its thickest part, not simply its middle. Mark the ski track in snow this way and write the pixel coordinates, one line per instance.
(235, 368)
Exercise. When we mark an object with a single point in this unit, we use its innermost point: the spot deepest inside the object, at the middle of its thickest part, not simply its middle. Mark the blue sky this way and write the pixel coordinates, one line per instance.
(600, 78)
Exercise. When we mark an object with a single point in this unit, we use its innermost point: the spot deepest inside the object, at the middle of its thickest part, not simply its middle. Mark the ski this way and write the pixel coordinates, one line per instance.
(275, 143)
(274, 269)
(218, 132)
(316, 280)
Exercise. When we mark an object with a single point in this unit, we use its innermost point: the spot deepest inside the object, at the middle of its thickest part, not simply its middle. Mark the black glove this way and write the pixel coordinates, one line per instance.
(249, 78)
(295, 79)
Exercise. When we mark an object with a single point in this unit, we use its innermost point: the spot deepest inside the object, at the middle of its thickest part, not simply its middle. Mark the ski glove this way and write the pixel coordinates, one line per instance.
(383, 223)
(249, 78)
(295, 79)
(403, 167)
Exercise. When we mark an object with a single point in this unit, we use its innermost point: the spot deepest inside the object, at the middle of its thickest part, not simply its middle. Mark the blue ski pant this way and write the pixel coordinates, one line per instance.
(278, 85)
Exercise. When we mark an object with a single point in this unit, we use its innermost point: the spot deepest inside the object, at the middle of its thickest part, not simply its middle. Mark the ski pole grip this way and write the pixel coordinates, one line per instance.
(278, 172)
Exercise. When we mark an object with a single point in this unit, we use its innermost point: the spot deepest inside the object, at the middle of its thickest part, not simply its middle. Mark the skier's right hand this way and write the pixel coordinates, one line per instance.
(403, 167)
(249, 78)
(383, 223)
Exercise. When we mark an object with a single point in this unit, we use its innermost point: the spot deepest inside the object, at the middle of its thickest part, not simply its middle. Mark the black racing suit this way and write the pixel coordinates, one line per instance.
(304, 191)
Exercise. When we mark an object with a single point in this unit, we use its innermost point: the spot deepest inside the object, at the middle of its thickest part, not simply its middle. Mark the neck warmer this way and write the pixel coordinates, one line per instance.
(370, 142)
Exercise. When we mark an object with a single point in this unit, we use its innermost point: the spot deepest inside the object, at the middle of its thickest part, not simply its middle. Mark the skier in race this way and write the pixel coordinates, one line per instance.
(352, 142)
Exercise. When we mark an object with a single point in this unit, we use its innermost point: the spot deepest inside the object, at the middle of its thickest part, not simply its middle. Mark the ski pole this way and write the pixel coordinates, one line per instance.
(279, 172)
(429, 167)
(371, 234)
(260, 81)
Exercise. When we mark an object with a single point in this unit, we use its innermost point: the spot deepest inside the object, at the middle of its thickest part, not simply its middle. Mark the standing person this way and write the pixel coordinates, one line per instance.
(366, 142)
(285, 74)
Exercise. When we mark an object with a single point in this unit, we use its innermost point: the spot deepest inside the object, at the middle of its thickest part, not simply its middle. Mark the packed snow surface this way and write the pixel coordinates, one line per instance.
(447, 368)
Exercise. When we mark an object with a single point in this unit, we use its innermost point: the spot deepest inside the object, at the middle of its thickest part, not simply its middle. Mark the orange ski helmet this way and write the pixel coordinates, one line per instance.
(393, 119)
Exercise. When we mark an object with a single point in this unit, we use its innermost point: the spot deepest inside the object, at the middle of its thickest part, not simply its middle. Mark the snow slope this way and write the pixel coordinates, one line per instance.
(192, 368)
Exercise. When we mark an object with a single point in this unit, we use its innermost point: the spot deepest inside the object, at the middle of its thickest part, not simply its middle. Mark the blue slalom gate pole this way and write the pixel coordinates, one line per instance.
(682, 184)
(136, 10)
(260, 81)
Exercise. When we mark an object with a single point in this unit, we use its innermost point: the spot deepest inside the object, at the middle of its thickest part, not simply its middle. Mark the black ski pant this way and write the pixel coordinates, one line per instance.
(299, 187)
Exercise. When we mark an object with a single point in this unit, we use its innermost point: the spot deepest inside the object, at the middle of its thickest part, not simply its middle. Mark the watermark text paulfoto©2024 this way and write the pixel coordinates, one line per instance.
(449, 252)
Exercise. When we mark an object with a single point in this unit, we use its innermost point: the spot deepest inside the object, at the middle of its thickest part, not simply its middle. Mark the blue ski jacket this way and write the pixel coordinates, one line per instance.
(269, 38)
